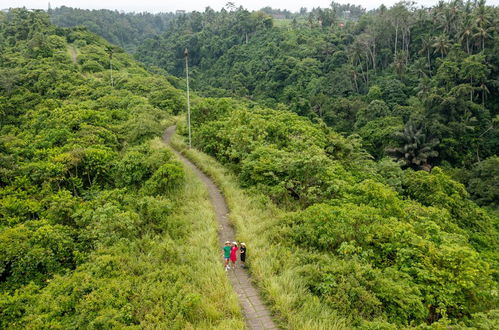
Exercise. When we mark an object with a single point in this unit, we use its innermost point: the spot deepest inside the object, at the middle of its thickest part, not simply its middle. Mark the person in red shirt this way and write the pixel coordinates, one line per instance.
(233, 254)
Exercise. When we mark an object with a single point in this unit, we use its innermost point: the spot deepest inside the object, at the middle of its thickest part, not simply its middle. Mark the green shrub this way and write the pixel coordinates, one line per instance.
(355, 288)
(439, 190)
(34, 251)
(91, 66)
(483, 183)
(167, 178)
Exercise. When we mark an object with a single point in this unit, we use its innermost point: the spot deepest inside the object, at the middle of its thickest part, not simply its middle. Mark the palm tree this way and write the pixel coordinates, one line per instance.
(481, 15)
(420, 67)
(441, 44)
(424, 88)
(399, 62)
(467, 32)
(415, 150)
(426, 45)
(447, 17)
(355, 55)
(481, 35)
(484, 90)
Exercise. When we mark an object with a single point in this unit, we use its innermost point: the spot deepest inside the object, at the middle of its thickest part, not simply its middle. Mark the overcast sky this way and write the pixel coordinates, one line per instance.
(199, 5)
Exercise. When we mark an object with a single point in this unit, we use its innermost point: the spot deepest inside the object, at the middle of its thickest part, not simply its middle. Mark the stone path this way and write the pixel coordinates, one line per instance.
(74, 54)
(256, 313)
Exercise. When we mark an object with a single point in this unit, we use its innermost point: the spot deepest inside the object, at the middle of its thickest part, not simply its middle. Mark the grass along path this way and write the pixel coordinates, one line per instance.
(257, 315)
(219, 305)
(273, 267)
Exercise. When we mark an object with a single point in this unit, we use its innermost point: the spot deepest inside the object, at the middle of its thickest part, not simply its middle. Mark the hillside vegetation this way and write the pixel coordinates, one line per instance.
(97, 218)
(376, 245)
(127, 30)
(337, 152)
(416, 84)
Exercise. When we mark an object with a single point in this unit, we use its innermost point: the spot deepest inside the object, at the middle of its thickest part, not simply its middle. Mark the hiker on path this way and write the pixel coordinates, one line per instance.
(242, 254)
(233, 254)
(227, 252)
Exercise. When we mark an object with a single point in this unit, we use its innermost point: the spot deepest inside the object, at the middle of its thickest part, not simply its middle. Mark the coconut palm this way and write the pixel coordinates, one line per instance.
(481, 15)
(426, 46)
(467, 32)
(416, 149)
(441, 44)
(484, 90)
(481, 35)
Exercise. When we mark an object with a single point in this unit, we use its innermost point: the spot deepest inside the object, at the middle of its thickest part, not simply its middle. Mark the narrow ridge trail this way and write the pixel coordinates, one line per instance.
(256, 314)
(74, 54)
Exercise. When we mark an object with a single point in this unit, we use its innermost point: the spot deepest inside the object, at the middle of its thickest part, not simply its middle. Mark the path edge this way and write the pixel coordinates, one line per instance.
(182, 150)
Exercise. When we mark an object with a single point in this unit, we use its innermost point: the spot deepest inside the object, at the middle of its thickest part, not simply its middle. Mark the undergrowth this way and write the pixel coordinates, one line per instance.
(273, 267)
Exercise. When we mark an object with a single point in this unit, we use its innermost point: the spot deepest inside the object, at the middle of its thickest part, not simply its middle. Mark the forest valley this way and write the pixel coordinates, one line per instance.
(416, 84)
(371, 137)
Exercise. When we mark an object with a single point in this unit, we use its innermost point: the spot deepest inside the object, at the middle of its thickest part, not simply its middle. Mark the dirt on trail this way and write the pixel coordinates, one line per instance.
(74, 54)
(256, 314)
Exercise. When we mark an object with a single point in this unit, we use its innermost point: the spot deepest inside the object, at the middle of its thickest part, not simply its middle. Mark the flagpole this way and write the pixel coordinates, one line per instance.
(186, 55)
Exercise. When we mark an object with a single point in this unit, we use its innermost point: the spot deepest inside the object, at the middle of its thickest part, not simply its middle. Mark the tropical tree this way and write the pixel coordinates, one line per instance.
(426, 47)
(481, 35)
(467, 32)
(441, 44)
(416, 149)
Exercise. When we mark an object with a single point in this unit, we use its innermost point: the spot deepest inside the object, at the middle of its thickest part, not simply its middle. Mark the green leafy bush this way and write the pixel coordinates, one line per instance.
(165, 179)
(92, 66)
(34, 251)
(94, 220)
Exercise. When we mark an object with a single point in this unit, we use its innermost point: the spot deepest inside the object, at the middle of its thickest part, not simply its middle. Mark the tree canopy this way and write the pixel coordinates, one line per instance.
(373, 134)
(90, 232)
(435, 69)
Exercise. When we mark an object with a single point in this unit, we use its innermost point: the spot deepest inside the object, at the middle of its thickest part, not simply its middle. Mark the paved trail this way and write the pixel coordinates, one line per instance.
(74, 54)
(256, 313)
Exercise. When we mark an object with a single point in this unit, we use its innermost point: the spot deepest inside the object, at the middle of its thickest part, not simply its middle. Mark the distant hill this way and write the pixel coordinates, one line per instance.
(124, 29)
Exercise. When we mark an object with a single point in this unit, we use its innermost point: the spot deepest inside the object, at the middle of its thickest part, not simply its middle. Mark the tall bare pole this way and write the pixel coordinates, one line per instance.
(186, 55)
(111, 65)
(110, 51)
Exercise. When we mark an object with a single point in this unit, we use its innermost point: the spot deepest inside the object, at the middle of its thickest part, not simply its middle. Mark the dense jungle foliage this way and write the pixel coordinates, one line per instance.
(418, 84)
(354, 125)
(380, 246)
(127, 30)
(89, 231)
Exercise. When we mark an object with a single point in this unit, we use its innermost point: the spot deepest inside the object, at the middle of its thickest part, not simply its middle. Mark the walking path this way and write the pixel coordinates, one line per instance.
(256, 313)
(74, 54)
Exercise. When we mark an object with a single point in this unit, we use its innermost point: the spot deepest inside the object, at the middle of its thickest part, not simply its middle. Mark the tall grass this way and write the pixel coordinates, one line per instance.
(168, 277)
(273, 266)
(201, 252)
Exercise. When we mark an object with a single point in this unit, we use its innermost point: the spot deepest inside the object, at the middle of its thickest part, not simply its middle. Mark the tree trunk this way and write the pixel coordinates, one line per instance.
(367, 70)
(471, 92)
(403, 39)
(111, 65)
(429, 60)
(396, 37)
(407, 45)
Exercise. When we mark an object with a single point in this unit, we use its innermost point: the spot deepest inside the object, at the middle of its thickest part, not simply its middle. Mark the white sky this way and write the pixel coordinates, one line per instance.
(199, 5)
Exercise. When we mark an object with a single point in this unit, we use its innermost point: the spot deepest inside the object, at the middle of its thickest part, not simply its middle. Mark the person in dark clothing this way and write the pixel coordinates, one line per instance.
(242, 254)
